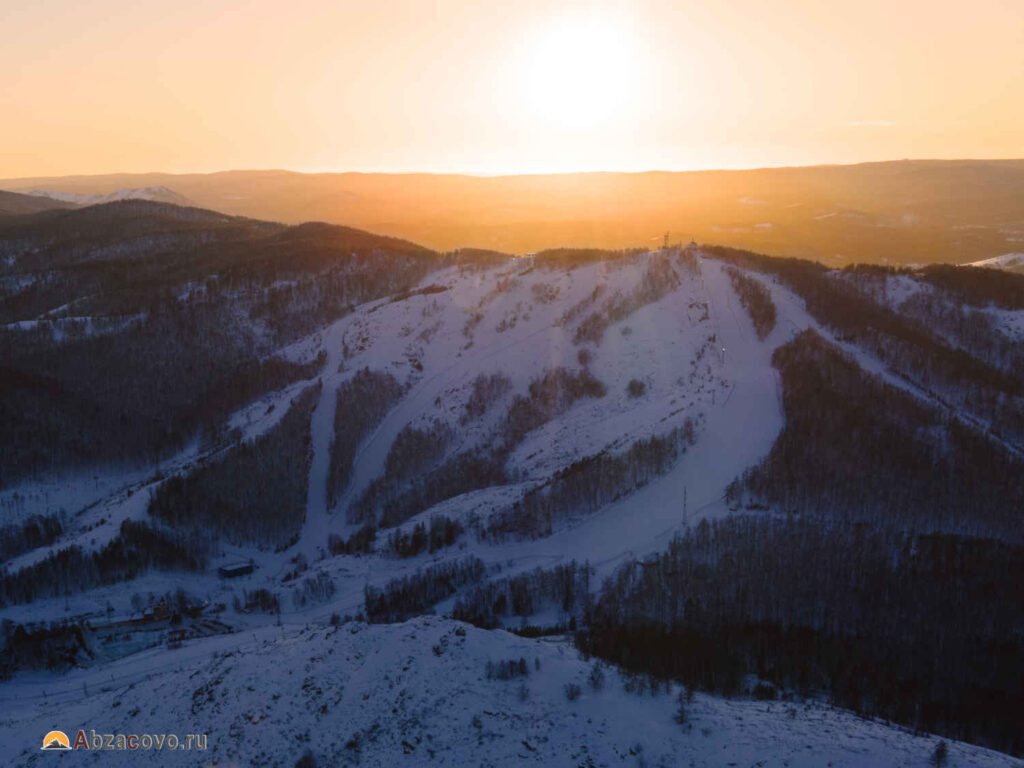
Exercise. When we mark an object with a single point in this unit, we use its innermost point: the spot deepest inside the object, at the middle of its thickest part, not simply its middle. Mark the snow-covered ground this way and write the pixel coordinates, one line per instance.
(418, 694)
(1009, 261)
(696, 352)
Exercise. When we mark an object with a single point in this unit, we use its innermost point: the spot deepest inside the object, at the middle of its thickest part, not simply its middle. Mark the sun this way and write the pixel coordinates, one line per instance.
(579, 72)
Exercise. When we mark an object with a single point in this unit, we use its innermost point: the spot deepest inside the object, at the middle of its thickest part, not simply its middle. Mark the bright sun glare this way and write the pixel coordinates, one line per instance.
(578, 72)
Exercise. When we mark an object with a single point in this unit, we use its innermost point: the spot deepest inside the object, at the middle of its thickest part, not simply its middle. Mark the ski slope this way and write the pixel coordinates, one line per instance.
(695, 351)
(509, 319)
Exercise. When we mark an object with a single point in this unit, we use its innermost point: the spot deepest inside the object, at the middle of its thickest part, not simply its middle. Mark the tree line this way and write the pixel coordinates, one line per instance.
(566, 587)
(191, 304)
(137, 548)
(658, 280)
(588, 484)
(548, 396)
(442, 532)
(413, 595)
(756, 299)
(922, 629)
(413, 452)
(363, 401)
(954, 373)
(34, 532)
(858, 448)
(484, 392)
(56, 646)
(256, 493)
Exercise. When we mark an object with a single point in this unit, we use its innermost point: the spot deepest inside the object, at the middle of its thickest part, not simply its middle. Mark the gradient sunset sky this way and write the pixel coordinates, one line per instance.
(484, 87)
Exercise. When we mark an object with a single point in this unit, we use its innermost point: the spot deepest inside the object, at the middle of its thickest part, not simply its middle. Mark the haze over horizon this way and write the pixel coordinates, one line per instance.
(456, 87)
(158, 172)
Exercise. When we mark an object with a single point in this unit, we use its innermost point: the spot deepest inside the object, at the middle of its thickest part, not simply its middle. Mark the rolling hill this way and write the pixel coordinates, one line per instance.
(909, 212)
(14, 204)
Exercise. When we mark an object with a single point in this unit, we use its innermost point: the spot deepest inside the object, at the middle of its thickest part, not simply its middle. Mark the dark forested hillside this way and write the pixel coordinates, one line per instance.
(256, 493)
(588, 484)
(129, 397)
(413, 595)
(137, 548)
(922, 629)
(131, 327)
(886, 572)
(362, 403)
(856, 448)
(756, 299)
(984, 380)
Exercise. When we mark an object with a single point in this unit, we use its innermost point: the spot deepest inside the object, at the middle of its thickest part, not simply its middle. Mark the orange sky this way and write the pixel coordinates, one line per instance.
(478, 87)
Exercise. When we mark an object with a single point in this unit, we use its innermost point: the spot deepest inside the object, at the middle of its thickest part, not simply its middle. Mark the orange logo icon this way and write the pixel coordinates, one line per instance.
(57, 740)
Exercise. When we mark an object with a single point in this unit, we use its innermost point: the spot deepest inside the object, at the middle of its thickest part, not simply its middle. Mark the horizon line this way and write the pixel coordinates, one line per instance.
(496, 175)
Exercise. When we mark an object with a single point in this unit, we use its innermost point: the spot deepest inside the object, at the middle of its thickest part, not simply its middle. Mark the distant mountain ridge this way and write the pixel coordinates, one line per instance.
(904, 212)
(157, 194)
(16, 204)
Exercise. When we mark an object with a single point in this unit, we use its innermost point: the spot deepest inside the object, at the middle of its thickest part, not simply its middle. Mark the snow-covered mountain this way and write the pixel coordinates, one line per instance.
(157, 194)
(1013, 262)
(697, 464)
